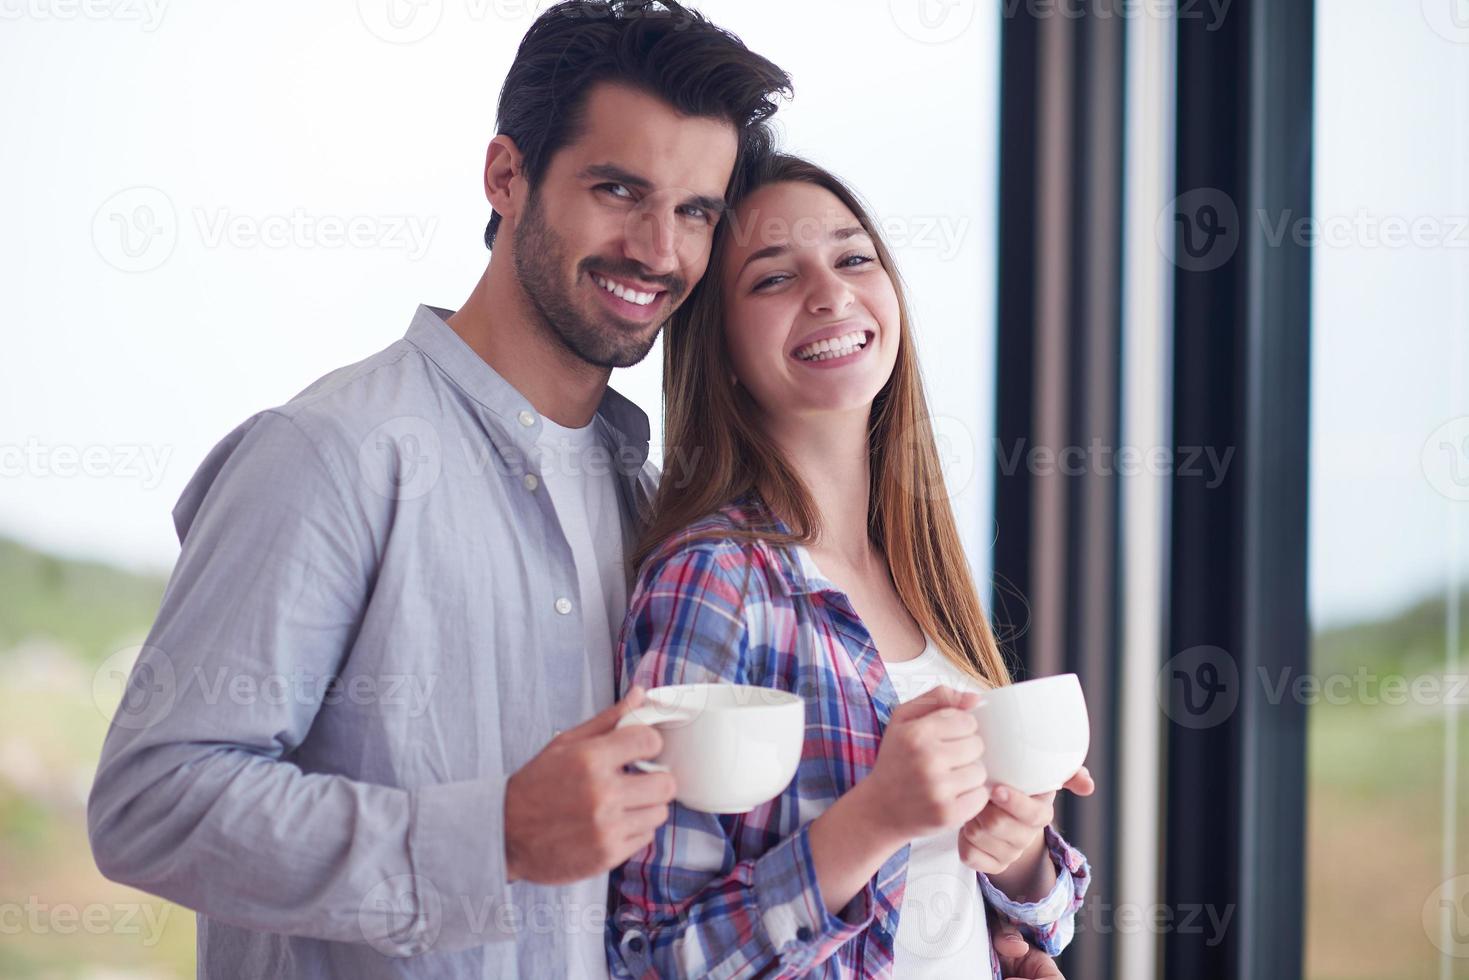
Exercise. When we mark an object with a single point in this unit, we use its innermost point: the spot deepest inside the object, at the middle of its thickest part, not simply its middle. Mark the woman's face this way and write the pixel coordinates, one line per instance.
(810, 314)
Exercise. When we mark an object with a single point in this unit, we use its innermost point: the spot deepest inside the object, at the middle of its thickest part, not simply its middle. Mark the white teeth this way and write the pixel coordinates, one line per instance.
(622, 292)
(825, 350)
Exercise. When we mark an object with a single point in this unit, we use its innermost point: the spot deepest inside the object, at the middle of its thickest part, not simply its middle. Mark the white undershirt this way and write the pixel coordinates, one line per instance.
(941, 924)
(577, 470)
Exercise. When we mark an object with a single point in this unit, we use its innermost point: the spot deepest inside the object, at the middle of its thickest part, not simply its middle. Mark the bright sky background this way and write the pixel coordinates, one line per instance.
(214, 124)
(248, 113)
(1391, 322)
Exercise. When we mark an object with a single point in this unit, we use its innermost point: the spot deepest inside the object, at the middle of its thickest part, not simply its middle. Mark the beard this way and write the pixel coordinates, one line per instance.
(601, 338)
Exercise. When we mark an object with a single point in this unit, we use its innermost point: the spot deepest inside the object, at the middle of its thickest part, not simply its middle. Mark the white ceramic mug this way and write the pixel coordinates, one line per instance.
(730, 747)
(1036, 733)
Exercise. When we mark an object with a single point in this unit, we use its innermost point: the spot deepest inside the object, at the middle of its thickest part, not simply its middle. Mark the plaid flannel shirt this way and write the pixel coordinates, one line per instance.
(737, 895)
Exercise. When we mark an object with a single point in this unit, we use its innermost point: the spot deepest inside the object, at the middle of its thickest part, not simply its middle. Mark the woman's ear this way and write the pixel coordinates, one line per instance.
(505, 184)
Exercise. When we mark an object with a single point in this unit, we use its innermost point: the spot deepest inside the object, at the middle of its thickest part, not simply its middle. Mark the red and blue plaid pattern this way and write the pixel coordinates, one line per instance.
(736, 895)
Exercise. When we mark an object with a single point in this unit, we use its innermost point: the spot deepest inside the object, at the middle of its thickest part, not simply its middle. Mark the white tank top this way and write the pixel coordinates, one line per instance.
(941, 924)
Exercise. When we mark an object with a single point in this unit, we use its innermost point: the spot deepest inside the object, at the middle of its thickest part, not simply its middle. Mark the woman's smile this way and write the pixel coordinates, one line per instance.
(835, 351)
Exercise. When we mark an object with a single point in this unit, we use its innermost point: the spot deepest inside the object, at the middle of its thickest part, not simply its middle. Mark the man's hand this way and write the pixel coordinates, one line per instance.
(571, 812)
(1018, 959)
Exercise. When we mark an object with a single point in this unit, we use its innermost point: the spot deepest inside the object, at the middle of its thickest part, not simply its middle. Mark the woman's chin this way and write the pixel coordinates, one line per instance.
(835, 403)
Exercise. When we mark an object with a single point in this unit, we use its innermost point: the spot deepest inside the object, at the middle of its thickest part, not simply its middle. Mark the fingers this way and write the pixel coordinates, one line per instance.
(634, 842)
(646, 820)
(1036, 965)
(938, 698)
(957, 763)
(969, 699)
(980, 859)
(948, 697)
(1006, 938)
(1081, 783)
(947, 723)
(1031, 811)
(997, 830)
(970, 778)
(974, 800)
(631, 743)
(645, 789)
(646, 797)
(605, 720)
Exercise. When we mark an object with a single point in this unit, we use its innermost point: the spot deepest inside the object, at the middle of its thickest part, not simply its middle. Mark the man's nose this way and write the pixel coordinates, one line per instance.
(652, 240)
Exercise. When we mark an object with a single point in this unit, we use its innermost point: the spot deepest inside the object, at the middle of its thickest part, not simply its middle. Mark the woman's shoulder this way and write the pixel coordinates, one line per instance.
(723, 543)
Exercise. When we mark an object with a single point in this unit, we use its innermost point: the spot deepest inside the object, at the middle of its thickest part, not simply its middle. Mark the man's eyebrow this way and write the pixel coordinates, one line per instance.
(611, 171)
(840, 235)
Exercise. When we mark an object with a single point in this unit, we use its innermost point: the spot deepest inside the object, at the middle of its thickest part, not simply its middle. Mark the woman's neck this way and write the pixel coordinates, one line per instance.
(829, 453)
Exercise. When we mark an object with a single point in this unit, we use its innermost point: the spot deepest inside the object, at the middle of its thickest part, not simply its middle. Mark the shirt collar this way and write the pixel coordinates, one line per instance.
(798, 572)
(624, 422)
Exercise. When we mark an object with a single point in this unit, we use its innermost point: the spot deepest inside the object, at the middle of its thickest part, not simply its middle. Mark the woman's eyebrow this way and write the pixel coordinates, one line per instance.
(611, 171)
(840, 235)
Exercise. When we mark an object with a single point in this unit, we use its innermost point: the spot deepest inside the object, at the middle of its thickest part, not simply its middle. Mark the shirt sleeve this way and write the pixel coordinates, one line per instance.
(1049, 923)
(685, 906)
(196, 798)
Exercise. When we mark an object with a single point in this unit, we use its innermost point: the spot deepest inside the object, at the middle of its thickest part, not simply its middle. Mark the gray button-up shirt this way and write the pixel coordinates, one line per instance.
(374, 620)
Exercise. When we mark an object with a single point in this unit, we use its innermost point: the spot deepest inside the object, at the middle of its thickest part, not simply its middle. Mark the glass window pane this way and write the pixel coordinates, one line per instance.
(1389, 485)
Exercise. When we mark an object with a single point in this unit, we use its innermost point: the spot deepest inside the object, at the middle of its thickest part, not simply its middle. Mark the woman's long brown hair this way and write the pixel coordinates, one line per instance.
(715, 451)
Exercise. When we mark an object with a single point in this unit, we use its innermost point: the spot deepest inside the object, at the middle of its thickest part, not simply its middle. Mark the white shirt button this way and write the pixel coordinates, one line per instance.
(527, 419)
(530, 481)
(563, 605)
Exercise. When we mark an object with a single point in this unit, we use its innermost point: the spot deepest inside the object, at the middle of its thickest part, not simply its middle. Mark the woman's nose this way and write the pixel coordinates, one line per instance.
(829, 294)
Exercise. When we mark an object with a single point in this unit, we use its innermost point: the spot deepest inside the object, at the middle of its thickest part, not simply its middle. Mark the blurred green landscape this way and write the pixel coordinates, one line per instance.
(59, 621)
(1375, 801)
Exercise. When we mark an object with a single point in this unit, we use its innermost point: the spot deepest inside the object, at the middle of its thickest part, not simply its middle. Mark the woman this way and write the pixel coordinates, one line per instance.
(813, 550)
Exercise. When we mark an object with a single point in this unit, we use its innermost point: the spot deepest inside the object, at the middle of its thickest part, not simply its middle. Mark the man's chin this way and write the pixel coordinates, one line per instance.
(618, 345)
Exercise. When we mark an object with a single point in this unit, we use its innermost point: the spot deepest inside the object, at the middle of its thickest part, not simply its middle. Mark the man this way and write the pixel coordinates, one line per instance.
(356, 741)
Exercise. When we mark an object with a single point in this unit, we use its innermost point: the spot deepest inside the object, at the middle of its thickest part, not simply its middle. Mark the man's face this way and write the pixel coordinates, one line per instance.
(620, 227)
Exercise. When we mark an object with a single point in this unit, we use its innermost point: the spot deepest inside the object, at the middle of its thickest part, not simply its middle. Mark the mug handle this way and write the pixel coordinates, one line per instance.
(653, 715)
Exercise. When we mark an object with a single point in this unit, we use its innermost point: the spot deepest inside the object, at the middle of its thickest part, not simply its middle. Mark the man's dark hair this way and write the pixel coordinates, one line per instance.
(657, 46)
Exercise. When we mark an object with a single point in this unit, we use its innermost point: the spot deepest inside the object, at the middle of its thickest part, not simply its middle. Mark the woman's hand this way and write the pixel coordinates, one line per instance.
(929, 775)
(927, 778)
(1010, 832)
